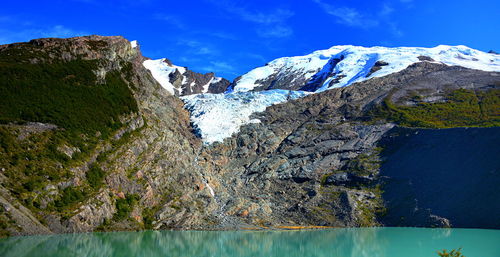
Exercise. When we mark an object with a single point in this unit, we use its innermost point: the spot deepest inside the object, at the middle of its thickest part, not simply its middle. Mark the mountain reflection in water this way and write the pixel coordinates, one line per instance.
(357, 242)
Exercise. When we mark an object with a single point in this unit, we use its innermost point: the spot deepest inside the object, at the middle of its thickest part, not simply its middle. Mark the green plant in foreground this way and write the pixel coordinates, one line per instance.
(452, 253)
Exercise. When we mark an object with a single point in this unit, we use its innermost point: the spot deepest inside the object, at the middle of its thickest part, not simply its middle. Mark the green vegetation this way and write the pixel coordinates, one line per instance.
(30, 163)
(95, 176)
(69, 196)
(462, 108)
(376, 208)
(65, 94)
(125, 206)
(38, 85)
(6, 221)
(148, 217)
(452, 253)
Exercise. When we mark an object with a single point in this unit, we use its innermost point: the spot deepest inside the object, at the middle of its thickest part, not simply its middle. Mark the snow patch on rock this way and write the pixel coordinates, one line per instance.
(161, 70)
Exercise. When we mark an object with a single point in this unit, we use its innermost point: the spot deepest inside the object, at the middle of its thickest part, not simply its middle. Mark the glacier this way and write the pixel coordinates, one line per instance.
(219, 116)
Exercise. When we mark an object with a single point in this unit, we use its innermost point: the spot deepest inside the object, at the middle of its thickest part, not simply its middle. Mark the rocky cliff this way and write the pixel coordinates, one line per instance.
(91, 141)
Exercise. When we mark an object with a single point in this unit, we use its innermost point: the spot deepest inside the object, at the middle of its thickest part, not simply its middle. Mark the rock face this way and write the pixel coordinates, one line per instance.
(314, 160)
(311, 161)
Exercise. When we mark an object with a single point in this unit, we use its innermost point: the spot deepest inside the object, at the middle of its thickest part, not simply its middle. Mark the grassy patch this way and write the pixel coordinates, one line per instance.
(462, 108)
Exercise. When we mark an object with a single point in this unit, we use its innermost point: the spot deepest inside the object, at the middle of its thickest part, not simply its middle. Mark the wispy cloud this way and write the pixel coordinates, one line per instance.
(219, 66)
(386, 10)
(268, 24)
(347, 15)
(389, 23)
(277, 31)
(195, 47)
(355, 18)
(171, 20)
(222, 35)
(11, 36)
(277, 16)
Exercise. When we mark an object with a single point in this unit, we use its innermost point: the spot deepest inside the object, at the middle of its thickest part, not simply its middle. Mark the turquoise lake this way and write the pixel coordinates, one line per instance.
(352, 242)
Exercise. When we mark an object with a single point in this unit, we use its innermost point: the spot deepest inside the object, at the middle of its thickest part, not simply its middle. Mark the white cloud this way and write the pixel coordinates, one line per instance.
(268, 24)
(171, 20)
(219, 67)
(11, 36)
(195, 47)
(222, 35)
(347, 16)
(277, 31)
(386, 10)
(277, 16)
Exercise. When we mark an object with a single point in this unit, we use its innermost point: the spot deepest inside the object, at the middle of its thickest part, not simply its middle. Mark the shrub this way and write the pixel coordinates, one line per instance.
(452, 253)
(95, 175)
(125, 206)
(69, 196)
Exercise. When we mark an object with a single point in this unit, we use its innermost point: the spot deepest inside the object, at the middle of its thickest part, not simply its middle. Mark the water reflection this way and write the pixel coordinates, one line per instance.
(371, 242)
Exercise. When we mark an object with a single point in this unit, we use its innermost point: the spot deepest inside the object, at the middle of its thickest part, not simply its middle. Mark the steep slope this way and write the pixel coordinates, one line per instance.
(181, 81)
(89, 141)
(315, 160)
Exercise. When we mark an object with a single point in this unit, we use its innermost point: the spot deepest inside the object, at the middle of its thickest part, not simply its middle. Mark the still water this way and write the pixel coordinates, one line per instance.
(353, 242)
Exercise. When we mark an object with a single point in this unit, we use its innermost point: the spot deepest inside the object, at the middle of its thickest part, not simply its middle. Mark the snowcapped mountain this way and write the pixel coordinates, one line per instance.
(218, 116)
(341, 66)
(181, 81)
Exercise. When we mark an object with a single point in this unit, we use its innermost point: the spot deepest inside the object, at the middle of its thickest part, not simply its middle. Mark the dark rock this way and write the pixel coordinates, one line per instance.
(376, 67)
(423, 58)
(348, 180)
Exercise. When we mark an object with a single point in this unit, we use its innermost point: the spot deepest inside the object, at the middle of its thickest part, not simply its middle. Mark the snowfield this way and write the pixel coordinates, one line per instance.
(218, 116)
(356, 61)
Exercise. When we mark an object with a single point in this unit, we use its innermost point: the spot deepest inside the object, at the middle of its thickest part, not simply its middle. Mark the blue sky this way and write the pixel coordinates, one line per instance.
(232, 37)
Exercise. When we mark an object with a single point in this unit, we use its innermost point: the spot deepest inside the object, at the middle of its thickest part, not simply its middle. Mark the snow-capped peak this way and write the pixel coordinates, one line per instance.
(348, 64)
(161, 70)
(180, 81)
